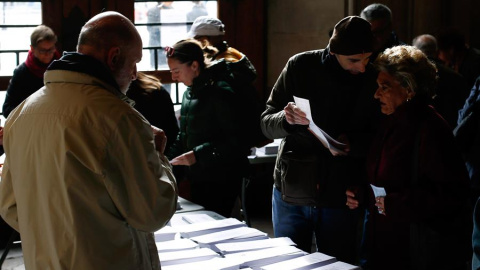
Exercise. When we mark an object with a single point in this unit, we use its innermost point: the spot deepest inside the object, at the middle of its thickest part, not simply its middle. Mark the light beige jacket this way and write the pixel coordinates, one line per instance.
(82, 182)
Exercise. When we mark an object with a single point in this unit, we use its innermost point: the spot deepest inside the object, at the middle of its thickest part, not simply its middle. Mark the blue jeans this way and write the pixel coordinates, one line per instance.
(335, 229)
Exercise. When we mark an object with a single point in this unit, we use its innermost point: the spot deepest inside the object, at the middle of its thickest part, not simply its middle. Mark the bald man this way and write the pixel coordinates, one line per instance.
(85, 181)
(452, 88)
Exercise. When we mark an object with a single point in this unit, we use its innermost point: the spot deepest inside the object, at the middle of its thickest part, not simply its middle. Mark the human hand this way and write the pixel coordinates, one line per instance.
(352, 202)
(294, 115)
(380, 204)
(186, 159)
(160, 139)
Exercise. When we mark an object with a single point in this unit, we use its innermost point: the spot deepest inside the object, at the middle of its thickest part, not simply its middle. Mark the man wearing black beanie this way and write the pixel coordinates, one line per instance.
(311, 179)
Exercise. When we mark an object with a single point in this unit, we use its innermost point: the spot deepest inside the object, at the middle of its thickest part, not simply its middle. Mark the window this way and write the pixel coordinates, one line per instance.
(17, 20)
(163, 23)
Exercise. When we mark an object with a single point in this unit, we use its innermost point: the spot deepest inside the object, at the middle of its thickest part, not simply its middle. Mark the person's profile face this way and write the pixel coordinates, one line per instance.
(127, 67)
(355, 64)
(390, 93)
(44, 51)
(183, 72)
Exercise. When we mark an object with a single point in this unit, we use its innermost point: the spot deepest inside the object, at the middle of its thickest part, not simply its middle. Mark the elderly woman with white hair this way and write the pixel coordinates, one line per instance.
(418, 216)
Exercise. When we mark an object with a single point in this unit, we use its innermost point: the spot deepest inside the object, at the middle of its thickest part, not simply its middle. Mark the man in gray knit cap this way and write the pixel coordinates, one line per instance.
(310, 179)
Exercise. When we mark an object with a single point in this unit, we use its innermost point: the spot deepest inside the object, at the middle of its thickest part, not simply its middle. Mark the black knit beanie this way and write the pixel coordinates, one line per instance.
(352, 35)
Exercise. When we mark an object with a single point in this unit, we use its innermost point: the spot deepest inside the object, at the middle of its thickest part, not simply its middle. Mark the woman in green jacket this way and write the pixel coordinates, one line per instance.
(209, 141)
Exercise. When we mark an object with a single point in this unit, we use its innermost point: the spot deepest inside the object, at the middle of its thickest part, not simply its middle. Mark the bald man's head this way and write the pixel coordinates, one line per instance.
(427, 44)
(112, 39)
(106, 30)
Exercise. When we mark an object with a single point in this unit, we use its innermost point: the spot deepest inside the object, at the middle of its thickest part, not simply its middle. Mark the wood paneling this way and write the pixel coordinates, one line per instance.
(415, 17)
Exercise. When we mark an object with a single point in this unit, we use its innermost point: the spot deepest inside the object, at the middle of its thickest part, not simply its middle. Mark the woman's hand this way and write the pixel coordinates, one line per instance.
(294, 115)
(380, 204)
(352, 202)
(186, 159)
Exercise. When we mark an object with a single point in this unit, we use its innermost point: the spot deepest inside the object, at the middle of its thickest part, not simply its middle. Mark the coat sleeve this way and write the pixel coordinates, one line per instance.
(273, 122)
(19, 88)
(139, 182)
(8, 203)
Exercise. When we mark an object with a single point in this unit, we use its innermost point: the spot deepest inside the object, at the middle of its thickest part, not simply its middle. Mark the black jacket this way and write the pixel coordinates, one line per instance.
(341, 103)
(22, 85)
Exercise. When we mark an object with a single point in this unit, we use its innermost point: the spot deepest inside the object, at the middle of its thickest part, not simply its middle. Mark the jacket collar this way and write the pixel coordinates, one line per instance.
(76, 62)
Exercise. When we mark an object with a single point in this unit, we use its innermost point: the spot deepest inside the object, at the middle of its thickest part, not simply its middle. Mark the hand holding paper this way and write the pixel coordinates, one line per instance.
(335, 147)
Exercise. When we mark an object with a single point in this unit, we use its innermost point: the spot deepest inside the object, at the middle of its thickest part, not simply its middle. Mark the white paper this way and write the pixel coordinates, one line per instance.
(196, 229)
(253, 245)
(166, 233)
(212, 264)
(378, 191)
(338, 266)
(267, 256)
(197, 218)
(307, 260)
(174, 245)
(227, 234)
(186, 256)
(325, 139)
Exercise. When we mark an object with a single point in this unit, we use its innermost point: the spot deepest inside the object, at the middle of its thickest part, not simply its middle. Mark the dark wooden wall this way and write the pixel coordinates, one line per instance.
(245, 22)
(415, 17)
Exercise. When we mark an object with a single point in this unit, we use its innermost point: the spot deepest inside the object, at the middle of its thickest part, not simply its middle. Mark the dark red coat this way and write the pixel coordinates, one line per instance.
(442, 177)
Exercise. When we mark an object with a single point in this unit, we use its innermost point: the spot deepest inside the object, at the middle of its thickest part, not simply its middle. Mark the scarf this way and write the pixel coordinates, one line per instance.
(37, 67)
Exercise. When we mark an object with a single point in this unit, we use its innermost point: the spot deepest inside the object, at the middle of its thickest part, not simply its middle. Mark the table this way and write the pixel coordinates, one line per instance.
(187, 206)
(259, 158)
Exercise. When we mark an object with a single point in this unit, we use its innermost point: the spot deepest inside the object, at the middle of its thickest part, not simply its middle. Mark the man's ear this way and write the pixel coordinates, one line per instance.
(113, 57)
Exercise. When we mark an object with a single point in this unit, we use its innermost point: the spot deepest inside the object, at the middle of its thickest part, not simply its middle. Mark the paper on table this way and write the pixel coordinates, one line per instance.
(186, 256)
(327, 141)
(197, 218)
(338, 266)
(223, 235)
(378, 191)
(212, 264)
(226, 248)
(174, 245)
(308, 261)
(257, 258)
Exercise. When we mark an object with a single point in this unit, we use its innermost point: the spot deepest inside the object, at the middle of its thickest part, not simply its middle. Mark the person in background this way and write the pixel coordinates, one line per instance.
(310, 180)
(209, 141)
(198, 9)
(85, 181)
(154, 15)
(456, 54)
(210, 32)
(155, 104)
(432, 188)
(451, 90)
(380, 16)
(28, 76)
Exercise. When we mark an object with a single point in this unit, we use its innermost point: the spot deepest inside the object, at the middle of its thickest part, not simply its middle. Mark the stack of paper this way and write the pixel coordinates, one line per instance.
(174, 245)
(196, 229)
(212, 264)
(305, 262)
(233, 247)
(186, 256)
(338, 266)
(230, 235)
(258, 258)
(271, 148)
(197, 218)
(166, 233)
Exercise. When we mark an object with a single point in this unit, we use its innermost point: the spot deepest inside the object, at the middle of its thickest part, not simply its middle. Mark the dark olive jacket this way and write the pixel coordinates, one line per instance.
(341, 103)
